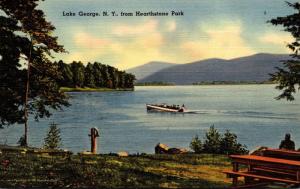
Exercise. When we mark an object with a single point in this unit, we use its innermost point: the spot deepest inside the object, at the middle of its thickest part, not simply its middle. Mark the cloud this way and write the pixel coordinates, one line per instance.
(171, 26)
(125, 30)
(222, 41)
(85, 40)
(140, 50)
(89, 47)
(140, 43)
(124, 53)
(276, 38)
(144, 44)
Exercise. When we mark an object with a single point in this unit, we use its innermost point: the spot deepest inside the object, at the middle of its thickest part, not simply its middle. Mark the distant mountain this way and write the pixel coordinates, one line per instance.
(245, 69)
(148, 69)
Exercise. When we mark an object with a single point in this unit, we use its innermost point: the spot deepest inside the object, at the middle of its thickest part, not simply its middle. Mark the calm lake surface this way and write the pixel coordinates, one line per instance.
(250, 111)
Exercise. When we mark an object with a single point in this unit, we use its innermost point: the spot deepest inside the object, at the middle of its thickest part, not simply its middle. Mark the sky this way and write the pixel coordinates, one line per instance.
(208, 29)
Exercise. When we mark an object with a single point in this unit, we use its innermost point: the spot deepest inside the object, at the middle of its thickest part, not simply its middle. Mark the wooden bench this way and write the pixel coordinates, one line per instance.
(264, 169)
(282, 154)
(257, 175)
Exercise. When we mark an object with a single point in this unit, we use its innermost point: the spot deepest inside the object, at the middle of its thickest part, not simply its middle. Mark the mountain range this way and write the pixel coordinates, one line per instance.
(148, 69)
(254, 68)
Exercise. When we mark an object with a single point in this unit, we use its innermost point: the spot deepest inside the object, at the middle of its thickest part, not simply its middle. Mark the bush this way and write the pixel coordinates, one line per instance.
(212, 142)
(22, 141)
(196, 145)
(216, 143)
(53, 140)
(229, 144)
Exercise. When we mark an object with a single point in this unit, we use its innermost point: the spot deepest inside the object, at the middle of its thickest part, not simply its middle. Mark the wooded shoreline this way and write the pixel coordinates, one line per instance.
(87, 89)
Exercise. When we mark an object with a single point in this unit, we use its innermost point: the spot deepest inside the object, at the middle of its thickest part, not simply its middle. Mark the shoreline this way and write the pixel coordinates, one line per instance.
(87, 89)
(208, 84)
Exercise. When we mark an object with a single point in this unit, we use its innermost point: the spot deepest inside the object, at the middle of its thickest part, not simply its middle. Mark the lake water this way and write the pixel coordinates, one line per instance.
(250, 111)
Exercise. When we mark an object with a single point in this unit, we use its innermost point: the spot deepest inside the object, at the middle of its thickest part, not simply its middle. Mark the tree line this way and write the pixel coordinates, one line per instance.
(93, 75)
(216, 143)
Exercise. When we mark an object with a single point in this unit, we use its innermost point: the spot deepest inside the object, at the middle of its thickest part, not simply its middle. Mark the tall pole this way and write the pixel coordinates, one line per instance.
(26, 96)
(94, 134)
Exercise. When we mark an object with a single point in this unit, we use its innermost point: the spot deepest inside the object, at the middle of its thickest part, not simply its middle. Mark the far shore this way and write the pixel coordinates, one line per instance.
(205, 84)
(87, 89)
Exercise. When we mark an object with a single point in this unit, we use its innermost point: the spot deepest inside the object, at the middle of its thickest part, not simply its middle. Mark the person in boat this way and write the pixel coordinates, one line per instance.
(287, 143)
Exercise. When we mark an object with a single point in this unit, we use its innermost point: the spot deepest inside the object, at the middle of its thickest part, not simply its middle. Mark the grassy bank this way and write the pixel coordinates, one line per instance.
(87, 89)
(108, 171)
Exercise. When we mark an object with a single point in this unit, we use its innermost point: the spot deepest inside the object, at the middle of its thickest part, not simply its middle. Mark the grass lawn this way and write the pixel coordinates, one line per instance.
(108, 171)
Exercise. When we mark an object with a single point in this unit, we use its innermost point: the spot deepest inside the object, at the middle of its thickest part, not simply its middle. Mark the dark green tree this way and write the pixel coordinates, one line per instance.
(196, 145)
(212, 142)
(52, 140)
(112, 77)
(67, 74)
(105, 75)
(216, 143)
(121, 79)
(25, 33)
(89, 79)
(99, 80)
(22, 141)
(288, 77)
(13, 79)
(129, 80)
(230, 145)
(78, 73)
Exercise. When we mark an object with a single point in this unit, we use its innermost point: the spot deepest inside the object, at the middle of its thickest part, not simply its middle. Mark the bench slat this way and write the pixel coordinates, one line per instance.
(255, 175)
(276, 171)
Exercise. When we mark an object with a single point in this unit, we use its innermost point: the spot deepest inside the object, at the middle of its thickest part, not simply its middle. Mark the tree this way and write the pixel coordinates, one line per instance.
(12, 78)
(78, 73)
(105, 76)
(22, 141)
(67, 74)
(129, 80)
(289, 76)
(25, 33)
(212, 142)
(216, 143)
(98, 75)
(121, 80)
(112, 77)
(52, 140)
(229, 144)
(196, 145)
(89, 79)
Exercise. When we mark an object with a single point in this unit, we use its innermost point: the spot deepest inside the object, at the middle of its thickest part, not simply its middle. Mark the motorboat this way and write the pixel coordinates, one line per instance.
(165, 108)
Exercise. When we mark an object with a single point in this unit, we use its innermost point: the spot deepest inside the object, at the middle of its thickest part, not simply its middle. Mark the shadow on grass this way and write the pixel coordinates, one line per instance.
(30, 171)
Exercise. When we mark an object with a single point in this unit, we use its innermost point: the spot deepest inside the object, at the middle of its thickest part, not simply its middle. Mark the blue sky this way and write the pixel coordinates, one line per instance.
(209, 29)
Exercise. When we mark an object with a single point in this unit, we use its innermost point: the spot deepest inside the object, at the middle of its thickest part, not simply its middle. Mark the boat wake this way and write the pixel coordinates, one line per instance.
(267, 115)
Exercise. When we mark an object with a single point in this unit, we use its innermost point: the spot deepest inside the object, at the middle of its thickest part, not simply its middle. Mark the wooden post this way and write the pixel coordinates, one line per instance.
(94, 134)
(235, 169)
